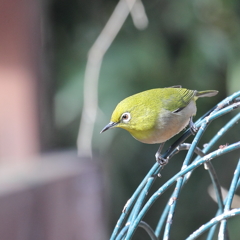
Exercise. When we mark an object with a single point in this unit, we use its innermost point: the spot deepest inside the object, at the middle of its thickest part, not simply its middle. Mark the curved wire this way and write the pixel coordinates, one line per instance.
(233, 187)
(178, 187)
(214, 221)
(148, 229)
(171, 181)
(141, 198)
(129, 205)
(144, 226)
(173, 198)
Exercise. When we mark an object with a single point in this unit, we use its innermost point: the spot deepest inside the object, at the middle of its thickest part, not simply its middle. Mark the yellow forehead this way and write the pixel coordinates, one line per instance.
(133, 104)
(143, 108)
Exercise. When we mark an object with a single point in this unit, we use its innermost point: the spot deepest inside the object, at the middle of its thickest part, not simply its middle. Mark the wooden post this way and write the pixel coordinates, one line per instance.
(19, 72)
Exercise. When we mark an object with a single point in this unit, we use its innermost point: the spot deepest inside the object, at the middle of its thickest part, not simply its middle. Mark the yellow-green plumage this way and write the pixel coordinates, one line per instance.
(156, 115)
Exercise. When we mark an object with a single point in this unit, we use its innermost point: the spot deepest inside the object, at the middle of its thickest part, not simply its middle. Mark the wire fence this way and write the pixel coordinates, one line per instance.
(138, 205)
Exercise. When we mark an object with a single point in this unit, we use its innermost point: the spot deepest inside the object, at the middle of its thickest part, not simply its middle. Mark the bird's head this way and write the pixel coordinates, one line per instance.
(133, 115)
(121, 117)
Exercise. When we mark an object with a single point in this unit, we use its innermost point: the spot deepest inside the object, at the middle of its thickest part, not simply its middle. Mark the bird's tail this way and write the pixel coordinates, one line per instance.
(207, 93)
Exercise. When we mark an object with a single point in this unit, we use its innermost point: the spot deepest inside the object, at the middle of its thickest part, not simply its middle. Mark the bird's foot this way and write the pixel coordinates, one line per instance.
(192, 127)
(160, 160)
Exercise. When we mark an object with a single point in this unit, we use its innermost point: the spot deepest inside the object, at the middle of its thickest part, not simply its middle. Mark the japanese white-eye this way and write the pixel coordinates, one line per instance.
(156, 115)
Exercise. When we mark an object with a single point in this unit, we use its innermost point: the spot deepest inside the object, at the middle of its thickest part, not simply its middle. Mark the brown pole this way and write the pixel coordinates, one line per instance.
(19, 73)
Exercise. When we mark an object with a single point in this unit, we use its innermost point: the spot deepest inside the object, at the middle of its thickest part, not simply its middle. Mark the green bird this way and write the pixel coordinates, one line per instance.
(156, 115)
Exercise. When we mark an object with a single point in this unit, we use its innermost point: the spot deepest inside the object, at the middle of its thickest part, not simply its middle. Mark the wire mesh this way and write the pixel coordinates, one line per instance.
(138, 205)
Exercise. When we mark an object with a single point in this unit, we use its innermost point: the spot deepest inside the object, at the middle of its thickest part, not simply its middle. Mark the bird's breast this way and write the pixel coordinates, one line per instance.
(167, 125)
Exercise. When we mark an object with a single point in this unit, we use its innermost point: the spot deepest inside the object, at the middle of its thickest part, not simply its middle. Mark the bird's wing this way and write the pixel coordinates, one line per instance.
(177, 99)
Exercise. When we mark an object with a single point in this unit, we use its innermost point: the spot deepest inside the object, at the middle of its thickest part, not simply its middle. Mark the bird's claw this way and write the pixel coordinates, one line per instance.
(192, 127)
(160, 160)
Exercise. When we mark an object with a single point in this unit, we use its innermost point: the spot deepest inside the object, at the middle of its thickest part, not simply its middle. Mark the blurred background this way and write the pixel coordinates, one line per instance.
(46, 190)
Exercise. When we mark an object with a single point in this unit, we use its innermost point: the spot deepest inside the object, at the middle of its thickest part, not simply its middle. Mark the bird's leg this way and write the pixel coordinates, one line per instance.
(160, 160)
(193, 127)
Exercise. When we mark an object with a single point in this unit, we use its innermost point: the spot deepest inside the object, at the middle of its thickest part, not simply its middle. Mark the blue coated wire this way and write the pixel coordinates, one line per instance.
(132, 200)
(180, 181)
(141, 198)
(208, 147)
(214, 221)
(165, 186)
(215, 181)
(122, 233)
(184, 146)
(212, 230)
(232, 190)
(220, 134)
(162, 220)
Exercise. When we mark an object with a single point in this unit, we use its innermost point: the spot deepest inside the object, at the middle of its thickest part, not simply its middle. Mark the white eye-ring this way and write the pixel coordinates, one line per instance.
(126, 117)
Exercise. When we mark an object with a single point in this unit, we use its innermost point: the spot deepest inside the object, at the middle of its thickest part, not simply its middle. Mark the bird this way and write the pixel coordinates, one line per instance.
(156, 115)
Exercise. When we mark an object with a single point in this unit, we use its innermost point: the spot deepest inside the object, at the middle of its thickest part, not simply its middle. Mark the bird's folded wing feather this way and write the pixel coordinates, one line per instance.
(178, 98)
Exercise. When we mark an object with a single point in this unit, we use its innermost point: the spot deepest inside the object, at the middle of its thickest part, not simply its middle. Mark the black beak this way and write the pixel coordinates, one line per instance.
(110, 125)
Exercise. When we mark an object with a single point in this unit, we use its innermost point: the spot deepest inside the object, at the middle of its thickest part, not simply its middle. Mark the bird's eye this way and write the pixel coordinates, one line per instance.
(126, 117)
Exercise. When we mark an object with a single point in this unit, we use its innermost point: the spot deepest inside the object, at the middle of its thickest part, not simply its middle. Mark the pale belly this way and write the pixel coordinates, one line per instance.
(169, 124)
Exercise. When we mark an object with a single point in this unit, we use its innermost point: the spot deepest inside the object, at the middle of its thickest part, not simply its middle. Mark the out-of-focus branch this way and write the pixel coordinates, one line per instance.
(95, 56)
(236, 199)
(138, 15)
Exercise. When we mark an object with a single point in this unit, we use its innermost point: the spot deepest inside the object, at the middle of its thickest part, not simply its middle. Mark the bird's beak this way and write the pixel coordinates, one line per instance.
(110, 125)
